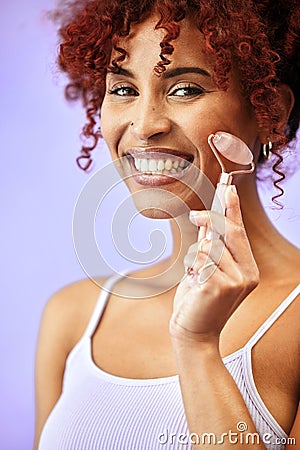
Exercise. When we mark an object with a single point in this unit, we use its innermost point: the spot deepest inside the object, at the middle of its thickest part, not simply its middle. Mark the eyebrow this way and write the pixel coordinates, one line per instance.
(169, 73)
(182, 70)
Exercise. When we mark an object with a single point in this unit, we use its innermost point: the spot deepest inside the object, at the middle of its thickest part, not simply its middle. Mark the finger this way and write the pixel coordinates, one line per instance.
(235, 229)
(214, 220)
(206, 271)
(202, 233)
(211, 220)
(201, 271)
(216, 251)
(231, 229)
(206, 250)
(197, 246)
(244, 271)
(193, 248)
(232, 204)
(195, 259)
(191, 259)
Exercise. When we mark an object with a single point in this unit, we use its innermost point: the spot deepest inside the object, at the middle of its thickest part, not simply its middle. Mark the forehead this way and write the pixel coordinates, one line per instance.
(142, 46)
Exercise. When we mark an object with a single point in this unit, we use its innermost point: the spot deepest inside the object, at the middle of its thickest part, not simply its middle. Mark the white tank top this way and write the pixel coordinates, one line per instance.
(100, 411)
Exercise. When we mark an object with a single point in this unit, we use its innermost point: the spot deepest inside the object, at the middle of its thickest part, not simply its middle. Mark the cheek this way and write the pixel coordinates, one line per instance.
(205, 159)
(105, 124)
(109, 128)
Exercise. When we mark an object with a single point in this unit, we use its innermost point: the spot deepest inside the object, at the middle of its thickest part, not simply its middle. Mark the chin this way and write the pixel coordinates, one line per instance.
(154, 213)
(167, 206)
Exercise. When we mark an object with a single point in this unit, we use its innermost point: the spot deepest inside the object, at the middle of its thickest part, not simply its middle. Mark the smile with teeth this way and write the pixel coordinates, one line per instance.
(160, 166)
(159, 162)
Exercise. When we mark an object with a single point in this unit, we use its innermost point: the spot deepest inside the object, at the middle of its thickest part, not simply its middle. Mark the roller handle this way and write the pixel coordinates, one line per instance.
(218, 205)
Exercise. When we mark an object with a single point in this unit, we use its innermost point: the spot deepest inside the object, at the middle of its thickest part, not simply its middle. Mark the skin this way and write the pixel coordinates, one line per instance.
(257, 269)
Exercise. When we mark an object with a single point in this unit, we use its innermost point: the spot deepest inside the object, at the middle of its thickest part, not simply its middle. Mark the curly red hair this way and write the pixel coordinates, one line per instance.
(260, 37)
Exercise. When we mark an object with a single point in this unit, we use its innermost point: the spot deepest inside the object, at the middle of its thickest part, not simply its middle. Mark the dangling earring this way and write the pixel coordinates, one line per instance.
(267, 150)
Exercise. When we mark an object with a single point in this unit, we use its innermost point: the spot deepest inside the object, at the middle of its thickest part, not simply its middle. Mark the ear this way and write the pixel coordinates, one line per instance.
(287, 101)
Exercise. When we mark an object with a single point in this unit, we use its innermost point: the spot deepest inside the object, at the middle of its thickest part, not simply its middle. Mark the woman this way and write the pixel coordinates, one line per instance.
(211, 358)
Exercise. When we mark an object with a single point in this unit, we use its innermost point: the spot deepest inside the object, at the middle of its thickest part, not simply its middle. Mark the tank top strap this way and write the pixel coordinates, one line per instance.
(273, 317)
(101, 303)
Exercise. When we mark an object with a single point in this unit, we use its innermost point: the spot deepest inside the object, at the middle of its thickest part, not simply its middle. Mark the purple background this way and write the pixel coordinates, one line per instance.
(39, 186)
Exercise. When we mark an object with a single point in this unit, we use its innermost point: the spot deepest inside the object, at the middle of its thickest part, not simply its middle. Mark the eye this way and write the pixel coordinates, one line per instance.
(187, 91)
(123, 91)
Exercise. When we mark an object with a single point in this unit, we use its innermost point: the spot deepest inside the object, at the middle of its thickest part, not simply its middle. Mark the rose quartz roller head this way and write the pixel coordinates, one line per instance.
(236, 151)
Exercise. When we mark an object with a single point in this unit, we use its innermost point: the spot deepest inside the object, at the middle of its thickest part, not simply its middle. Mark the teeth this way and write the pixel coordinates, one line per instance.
(152, 165)
(160, 166)
(168, 164)
(144, 165)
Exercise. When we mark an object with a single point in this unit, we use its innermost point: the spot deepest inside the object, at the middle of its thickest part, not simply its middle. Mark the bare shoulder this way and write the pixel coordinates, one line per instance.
(64, 320)
(70, 308)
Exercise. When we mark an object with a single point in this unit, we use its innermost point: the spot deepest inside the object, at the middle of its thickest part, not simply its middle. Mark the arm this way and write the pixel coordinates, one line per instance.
(64, 320)
(213, 403)
(50, 362)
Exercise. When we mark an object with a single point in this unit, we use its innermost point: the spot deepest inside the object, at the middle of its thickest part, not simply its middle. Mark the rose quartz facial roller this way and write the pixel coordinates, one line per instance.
(236, 151)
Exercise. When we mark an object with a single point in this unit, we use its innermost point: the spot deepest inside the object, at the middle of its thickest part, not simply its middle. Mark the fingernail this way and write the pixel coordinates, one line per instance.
(194, 214)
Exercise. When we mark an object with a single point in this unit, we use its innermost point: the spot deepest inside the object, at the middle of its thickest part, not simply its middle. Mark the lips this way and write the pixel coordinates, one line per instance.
(158, 166)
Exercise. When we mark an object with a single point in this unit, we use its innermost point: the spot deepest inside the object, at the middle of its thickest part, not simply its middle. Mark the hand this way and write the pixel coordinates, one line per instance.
(227, 274)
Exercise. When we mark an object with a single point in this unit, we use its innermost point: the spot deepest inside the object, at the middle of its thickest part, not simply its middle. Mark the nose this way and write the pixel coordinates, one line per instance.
(149, 121)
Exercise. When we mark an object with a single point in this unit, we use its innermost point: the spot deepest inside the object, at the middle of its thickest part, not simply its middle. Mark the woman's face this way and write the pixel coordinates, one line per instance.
(157, 126)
